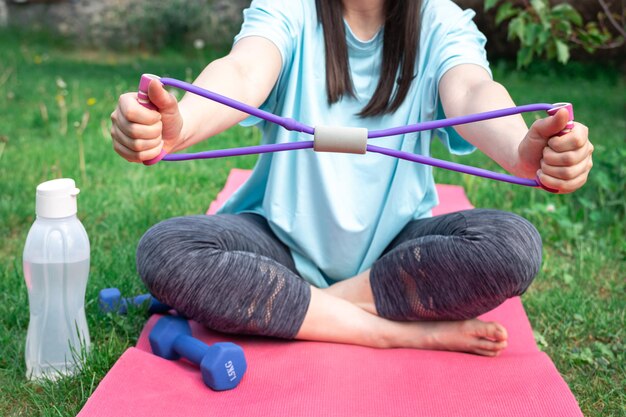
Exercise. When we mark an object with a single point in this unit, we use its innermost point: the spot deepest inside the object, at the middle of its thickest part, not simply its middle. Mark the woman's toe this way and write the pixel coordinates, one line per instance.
(491, 330)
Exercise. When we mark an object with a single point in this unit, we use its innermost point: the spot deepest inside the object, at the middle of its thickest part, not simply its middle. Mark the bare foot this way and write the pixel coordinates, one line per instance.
(333, 319)
(473, 336)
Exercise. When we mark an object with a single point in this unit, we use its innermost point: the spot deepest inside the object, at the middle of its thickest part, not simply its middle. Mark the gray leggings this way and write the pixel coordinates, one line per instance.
(232, 274)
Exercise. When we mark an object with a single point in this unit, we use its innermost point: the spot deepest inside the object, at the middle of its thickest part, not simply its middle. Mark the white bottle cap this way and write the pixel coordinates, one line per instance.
(56, 198)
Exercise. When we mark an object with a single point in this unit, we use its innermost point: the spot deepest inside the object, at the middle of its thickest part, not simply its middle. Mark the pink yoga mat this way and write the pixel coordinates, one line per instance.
(294, 378)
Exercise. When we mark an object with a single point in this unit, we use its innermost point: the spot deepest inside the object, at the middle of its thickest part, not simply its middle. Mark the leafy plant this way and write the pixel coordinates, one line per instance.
(552, 31)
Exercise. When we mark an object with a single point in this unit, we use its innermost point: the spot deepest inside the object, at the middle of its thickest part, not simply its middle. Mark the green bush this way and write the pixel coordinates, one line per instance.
(552, 31)
(173, 24)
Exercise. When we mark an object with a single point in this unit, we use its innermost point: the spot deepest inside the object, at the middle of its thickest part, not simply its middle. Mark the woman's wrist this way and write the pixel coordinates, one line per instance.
(525, 165)
(186, 131)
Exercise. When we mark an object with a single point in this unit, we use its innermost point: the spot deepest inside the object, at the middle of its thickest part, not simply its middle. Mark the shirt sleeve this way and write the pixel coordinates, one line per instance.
(280, 22)
(460, 43)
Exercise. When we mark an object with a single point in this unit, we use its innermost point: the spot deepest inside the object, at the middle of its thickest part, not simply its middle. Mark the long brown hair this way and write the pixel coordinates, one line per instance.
(401, 40)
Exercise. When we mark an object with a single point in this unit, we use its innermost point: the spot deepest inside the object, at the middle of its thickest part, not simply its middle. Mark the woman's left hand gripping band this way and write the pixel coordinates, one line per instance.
(558, 150)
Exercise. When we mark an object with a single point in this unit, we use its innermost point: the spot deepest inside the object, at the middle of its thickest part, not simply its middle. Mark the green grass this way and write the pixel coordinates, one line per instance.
(55, 106)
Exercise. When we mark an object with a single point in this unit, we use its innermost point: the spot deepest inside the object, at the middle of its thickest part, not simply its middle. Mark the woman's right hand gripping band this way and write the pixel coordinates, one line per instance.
(146, 125)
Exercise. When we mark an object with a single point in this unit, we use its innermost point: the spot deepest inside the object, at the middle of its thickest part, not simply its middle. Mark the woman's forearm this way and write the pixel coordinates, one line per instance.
(247, 74)
(203, 118)
(468, 89)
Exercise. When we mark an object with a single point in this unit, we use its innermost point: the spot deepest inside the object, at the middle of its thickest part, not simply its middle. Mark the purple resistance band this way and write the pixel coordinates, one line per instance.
(293, 125)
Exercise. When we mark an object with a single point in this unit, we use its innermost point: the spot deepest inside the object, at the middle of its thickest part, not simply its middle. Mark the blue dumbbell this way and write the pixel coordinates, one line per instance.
(222, 365)
(110, 300)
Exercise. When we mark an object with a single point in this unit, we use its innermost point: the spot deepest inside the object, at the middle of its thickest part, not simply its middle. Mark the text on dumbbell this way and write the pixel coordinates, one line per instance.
(230, 370)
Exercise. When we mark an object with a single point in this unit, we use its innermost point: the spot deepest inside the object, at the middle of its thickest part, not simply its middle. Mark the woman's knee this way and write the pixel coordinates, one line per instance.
(513, 246)
(149, 256)
(168, 243)
(231, 291)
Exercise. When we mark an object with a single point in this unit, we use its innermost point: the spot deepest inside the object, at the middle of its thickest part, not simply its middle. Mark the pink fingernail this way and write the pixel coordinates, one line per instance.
(570, 110)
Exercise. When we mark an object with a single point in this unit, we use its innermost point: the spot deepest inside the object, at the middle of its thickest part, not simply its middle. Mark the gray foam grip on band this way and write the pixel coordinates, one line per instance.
(340, 139)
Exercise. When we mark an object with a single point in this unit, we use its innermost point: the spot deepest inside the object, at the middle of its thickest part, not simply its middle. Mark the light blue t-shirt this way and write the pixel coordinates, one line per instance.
(338, 212)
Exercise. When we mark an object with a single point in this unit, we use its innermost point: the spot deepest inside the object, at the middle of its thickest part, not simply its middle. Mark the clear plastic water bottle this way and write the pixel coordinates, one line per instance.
(56, 267)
